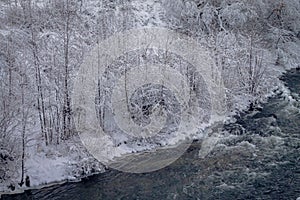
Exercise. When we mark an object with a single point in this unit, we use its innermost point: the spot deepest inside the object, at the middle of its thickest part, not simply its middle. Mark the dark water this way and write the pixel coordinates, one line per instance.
(256, 158)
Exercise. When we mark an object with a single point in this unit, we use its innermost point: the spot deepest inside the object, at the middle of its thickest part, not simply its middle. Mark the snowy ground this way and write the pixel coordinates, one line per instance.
(55, 164)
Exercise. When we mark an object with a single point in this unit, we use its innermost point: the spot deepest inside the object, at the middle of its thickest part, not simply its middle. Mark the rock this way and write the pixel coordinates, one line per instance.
(27, 181)
(12, 187)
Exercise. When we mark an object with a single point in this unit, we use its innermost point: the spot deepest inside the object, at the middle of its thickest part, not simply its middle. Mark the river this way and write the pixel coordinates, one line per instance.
(257, 157)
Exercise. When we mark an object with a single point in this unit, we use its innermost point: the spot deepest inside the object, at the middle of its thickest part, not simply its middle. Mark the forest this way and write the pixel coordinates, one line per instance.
(43, 44)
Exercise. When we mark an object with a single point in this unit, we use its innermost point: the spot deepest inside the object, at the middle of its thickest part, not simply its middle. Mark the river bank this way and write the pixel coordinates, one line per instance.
(242, 125)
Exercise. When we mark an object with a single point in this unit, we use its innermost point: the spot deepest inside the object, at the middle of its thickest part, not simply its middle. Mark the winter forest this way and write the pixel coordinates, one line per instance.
(43, 44)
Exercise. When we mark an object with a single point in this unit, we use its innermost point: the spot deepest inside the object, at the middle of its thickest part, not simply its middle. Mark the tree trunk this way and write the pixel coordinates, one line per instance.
(66, 108)
(23, 132)
(40, 96)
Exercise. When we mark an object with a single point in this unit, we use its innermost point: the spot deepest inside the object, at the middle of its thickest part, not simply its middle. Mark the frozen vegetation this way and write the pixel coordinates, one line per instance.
(43, 43)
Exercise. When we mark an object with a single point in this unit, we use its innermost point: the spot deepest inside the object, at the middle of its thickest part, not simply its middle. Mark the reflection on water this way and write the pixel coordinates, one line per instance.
(256, 158)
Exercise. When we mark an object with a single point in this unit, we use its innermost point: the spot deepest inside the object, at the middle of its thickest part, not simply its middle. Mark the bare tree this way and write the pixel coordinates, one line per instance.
(67, 105)
(24, 122)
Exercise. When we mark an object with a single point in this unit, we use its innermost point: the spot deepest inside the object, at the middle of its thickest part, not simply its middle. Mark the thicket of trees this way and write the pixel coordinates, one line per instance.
(247, 38)
(42, 44)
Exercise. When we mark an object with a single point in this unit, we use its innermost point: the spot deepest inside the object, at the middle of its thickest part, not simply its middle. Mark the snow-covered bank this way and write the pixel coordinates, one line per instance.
(49, 165)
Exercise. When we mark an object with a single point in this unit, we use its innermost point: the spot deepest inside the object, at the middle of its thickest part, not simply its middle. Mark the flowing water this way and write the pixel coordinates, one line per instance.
(258, 157)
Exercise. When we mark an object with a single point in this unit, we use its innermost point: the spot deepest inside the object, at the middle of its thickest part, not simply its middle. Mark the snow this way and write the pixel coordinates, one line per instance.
(43, 170)
(66, 163)
(70, 161)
